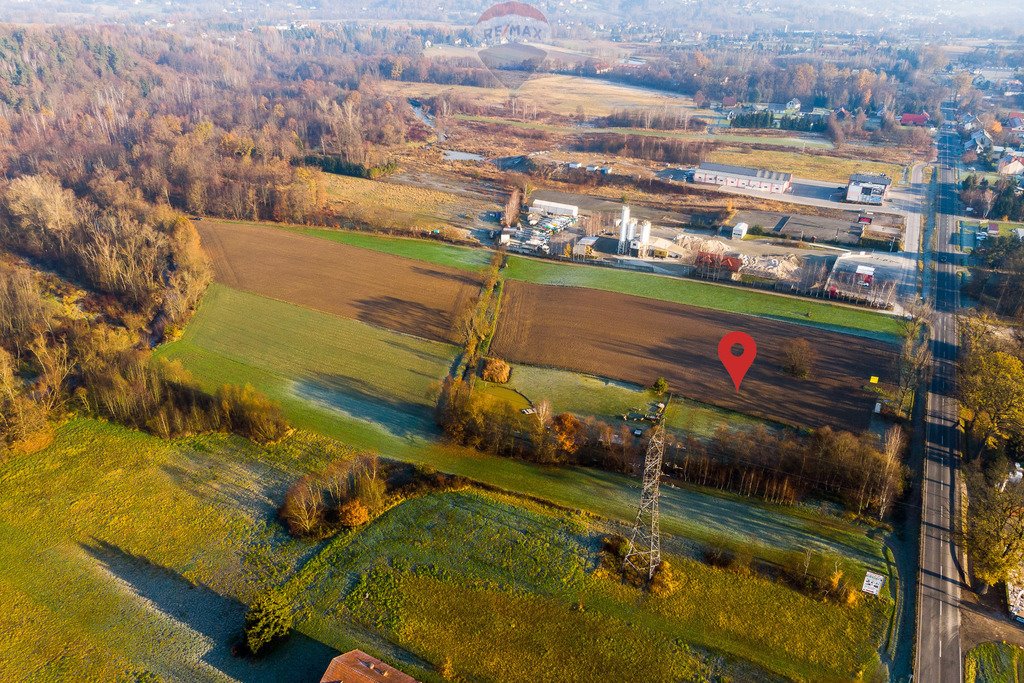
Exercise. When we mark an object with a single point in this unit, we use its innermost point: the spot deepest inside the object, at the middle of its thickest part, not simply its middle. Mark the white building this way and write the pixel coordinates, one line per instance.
(739, 231)
(867, 188)
(554, 208)
(742, 177)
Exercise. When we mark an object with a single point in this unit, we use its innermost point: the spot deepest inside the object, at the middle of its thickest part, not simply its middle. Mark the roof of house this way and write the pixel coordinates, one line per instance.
(759, 173)
(915, 118)
(355, 666)
(875, 178)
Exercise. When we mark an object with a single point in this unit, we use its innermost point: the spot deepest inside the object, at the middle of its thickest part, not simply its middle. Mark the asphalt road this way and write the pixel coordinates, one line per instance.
(939, 657)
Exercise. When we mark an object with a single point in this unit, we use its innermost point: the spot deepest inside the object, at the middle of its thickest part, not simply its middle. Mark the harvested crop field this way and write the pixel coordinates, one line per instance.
(376, 288)
(638, 340)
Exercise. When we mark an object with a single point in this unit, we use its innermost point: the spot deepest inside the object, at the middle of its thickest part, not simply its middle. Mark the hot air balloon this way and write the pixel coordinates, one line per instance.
(511, 36)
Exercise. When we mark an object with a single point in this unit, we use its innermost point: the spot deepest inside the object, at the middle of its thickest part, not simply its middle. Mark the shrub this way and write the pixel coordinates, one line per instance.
(496, 370)
(798, 358)
(251, 414)
(660, 385)
(719, 557)
(664, 582)
(269, 620)
(303, 507)
(352, 514)
(370, 491)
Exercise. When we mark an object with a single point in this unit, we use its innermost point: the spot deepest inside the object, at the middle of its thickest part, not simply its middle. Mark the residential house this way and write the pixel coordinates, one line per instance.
(909, 119)
(968, 122)
(355, 666)
(979, 142)
(793, 105)
(1011, 164)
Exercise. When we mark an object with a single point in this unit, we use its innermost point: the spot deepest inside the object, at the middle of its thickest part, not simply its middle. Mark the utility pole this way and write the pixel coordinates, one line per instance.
(644, 550)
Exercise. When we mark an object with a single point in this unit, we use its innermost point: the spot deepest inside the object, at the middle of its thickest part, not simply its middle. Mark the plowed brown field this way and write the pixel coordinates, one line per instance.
(638, 340)
(389, 291)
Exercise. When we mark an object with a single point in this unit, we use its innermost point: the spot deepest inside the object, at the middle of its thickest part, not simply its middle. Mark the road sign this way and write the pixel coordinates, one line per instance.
(873, 583)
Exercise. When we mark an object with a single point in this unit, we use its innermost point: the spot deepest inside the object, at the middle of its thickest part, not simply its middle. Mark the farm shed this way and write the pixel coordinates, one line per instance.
(867, 188)
(355, 666)
(742, 177)
(554, 208)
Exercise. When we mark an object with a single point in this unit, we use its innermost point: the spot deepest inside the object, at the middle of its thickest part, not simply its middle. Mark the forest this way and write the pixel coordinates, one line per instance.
(110, 139)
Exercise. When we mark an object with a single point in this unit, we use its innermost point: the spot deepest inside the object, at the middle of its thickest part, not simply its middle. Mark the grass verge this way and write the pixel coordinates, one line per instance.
(994, 663)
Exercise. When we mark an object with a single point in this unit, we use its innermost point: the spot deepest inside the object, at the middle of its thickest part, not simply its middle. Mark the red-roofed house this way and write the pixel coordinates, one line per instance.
(728, 102)
(909, 119)
(356, 666)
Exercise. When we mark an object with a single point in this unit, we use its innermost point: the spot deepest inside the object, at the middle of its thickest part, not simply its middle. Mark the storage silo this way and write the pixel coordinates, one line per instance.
(645, 233)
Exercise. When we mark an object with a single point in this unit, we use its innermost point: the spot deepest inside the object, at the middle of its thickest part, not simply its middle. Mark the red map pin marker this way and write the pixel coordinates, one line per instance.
(737, 366)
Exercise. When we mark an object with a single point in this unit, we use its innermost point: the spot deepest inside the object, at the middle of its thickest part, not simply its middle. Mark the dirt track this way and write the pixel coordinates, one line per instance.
(389, 291)
(637, 340)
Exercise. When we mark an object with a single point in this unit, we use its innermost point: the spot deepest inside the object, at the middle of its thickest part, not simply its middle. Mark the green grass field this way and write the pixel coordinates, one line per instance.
(706, 295)
(586, 395)
(126, 555)
(994, 663)
(446, 576)
(374, 380)
(442, 254)
(138, 557)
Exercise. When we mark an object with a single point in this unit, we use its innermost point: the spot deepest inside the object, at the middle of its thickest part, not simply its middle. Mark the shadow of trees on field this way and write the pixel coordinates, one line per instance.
(217, 619)
(458, 276)
(410, 317)
(235, 485)
(360, 400)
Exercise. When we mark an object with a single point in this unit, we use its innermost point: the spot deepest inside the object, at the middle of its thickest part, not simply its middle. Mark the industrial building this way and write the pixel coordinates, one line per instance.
(554, 208)
(742, 177)
(868, 188)
(583, 249)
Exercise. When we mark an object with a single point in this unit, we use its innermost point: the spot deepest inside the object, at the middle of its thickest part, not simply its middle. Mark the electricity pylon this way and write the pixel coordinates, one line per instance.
(644, 550)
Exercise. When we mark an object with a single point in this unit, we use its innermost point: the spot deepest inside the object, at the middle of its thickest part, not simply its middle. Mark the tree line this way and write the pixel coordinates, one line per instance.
(643, 147)
(766, 119)
(778, 466)
(990, 389)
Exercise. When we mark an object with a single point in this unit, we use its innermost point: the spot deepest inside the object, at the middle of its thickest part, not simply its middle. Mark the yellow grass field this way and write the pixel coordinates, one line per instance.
(811, 166)
(393, 206)
(558, 95)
